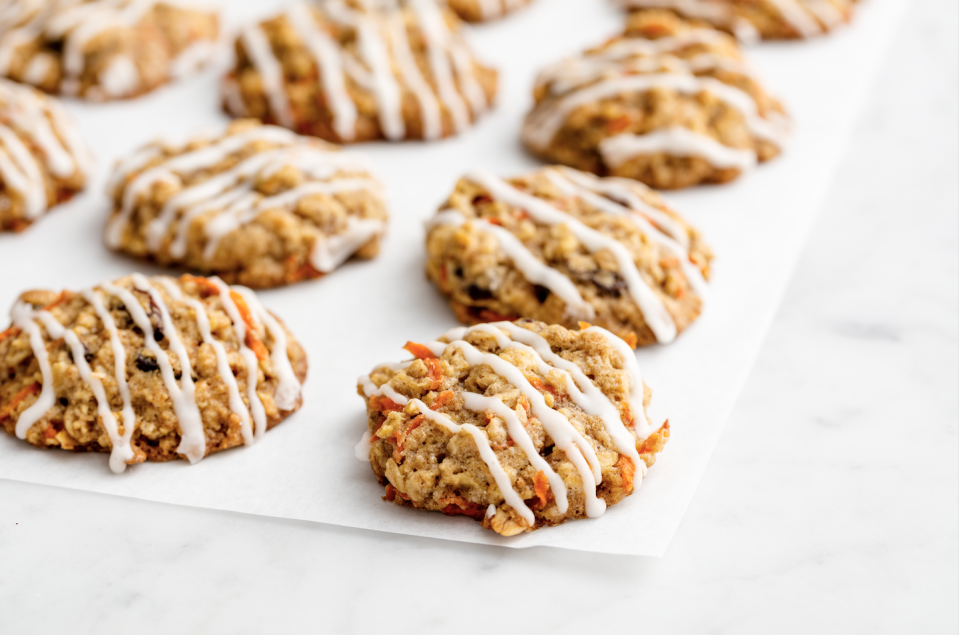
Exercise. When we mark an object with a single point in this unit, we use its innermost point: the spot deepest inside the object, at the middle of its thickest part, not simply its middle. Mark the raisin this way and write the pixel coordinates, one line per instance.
(479, 293)
(147, 364)
(541, 292)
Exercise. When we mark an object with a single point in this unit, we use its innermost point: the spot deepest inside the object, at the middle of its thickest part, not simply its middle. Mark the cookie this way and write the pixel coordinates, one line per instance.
(517, 425)
(562, 246)
(147, 369)
(104, 49)
(484, 10)
(751, 20)
(670, 104)
(256, 205)
(43, 159)
(345, 73)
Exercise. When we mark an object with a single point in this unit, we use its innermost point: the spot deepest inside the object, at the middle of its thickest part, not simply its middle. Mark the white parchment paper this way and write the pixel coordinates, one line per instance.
(364, 313)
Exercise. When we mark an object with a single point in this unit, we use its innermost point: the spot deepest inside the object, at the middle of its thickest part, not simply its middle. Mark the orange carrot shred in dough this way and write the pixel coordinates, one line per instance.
(205, 285)
(628, 471)
(655, 442)
(584, 325)
(541, 487)
(631, 340)
(64, 296)
(252, 341)
(436, 375)
(443, 399)
(419, 351)
(10, 332)
(20, 396)
(384, 404)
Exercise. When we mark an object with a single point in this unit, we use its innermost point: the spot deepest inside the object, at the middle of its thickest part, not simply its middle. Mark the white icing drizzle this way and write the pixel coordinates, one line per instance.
(564, 435)
(654, 312)
(222, 363)
(801, 15)
(22, 317)
(263, 58)
(380, 29)
(118, 455)
(532, 268)
(481, 403)
(798, 16)
(288, 390)
(435, 33)
(546, 123)
(249, 357)
(638, 65)
(192, 437)
(675, 141)
(29, 119)
(430, 112)
(502, 479)
(78, 23)
(629, 193)
(182, 396)
(228, 201)
(196, 160)
(328, 59)
(581, 390)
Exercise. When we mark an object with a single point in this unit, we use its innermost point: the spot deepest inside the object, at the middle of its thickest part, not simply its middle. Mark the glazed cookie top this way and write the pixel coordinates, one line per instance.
(751, 20)
(190, 203)
(142, 362)
(104, 49)
(394, 69)
(557, 418)
(43, 159)
(557, 223)
(661, 54)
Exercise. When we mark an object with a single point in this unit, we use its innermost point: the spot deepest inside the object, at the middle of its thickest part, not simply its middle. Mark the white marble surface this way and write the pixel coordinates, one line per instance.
(830, 505)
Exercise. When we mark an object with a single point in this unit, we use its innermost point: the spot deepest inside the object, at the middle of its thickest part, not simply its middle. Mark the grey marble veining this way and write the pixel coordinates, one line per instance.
(831, 504)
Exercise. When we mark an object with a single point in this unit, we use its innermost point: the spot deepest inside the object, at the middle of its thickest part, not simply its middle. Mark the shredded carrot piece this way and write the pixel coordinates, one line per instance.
(296, 273)
(436, 375)
(628, 470)
(252, 341)
(205, 285)
(459, 506)
(390, 493)
(384, 404)
(618, 124)
(522, 215)
(494, 221)
(584, 325)
(13, 331)
(443, 399)
(20, 396)
(541, 487)
(655, 442)
(50, 432)
(627, 416)
(444, 279)
(419, 351)
(402, 435)
(64, 296)
(542, 386)
(631, 340)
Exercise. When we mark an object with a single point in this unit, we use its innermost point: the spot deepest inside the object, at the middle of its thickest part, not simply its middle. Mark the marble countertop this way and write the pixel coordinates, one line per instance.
(830, 505)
